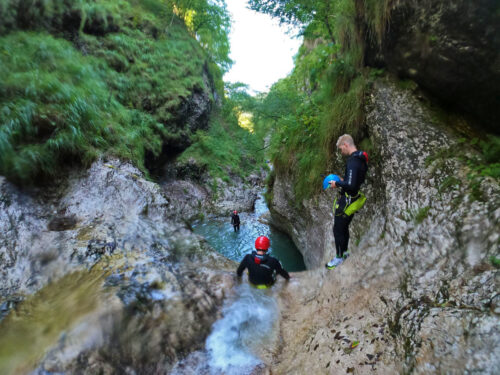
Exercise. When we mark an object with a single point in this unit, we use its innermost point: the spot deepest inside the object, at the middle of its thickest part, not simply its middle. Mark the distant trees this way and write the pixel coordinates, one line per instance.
(316, 16)
(209, 22)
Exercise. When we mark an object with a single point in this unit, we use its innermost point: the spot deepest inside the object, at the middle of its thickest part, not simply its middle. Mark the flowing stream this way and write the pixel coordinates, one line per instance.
(250, 318)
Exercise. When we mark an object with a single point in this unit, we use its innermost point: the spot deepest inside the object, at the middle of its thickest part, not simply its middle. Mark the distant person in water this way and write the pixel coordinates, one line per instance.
(262, 268)
(350, 199)
(235, 220)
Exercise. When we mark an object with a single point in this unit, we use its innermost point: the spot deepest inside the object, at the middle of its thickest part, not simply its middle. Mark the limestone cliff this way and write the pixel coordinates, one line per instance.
(419, 292)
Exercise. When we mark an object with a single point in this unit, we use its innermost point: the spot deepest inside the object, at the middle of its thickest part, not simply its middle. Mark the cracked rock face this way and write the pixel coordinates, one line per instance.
(419, 292)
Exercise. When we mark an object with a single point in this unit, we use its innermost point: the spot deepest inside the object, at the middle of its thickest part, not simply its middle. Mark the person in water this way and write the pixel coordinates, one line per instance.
(350, 199)
(235, 220)
(262, 268)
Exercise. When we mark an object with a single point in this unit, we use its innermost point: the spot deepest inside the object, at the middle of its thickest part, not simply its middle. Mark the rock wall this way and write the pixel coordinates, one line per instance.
(451, 48)
(192, 197)
(419, 292)
(309, 226)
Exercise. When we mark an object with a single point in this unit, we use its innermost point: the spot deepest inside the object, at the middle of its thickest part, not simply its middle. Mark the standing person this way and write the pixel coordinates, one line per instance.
(350, 199)
(235, 220)
(262, 268)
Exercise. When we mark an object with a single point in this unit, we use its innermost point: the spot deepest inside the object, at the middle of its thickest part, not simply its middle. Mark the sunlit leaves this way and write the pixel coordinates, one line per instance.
(297, 12)
(209, 22)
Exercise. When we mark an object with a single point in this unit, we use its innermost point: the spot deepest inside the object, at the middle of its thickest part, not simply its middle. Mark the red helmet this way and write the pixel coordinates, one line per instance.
(262, 243)
(235, 212)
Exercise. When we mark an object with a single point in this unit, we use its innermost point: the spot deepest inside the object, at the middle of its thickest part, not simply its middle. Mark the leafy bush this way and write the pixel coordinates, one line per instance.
(306, 122)
(323, 98)
(151, 75)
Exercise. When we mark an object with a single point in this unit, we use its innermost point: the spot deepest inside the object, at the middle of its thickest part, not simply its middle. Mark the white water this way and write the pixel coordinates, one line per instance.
(246, 325)
(249, 322)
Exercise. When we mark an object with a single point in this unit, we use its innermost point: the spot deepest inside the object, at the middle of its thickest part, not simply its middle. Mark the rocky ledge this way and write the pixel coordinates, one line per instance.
(450, 48)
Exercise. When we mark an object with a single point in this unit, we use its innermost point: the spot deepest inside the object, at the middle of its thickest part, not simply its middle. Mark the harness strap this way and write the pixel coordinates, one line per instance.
(353, 203)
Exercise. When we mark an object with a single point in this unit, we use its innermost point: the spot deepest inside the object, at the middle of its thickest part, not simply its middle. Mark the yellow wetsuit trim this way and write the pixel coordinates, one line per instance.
(260, 286)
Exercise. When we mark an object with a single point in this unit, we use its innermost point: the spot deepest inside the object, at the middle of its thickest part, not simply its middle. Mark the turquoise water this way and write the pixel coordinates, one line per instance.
(234, 245)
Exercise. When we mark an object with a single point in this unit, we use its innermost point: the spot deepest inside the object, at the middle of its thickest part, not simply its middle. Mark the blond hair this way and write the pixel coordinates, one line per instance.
(346, 138)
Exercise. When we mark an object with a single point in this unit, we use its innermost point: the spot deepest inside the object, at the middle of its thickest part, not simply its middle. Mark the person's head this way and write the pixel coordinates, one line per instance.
(262, 243)
(345, 144)
(235, 212)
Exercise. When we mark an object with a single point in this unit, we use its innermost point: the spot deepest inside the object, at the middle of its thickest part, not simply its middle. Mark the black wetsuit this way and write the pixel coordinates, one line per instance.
(355, 173)
(235, 220)
(262, 269)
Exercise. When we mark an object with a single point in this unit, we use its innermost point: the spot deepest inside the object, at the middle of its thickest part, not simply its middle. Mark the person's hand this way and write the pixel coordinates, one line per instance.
(332, 184)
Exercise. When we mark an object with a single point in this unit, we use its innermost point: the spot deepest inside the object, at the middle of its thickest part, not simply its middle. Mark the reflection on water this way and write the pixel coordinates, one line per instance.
(234, 245)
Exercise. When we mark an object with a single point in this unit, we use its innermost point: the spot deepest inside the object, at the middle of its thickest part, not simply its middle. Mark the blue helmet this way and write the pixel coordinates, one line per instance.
(330, 177)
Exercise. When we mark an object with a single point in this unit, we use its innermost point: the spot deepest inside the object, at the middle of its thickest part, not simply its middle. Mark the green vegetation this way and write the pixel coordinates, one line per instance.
(268, 195)
(231, 146)
(85, 78)
(55, 106)
(323, 97)
(495, 261)
(421, 214)
(208, 21)
(488, 163)
(449, 182)
(226, 149)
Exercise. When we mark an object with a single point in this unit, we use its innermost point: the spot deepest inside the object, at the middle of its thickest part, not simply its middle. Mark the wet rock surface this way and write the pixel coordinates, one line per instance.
(419, 292)
(159, 312)
(162, 286)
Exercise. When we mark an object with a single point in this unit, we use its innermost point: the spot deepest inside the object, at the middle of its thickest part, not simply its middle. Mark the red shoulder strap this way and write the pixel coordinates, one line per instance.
(366, 156)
